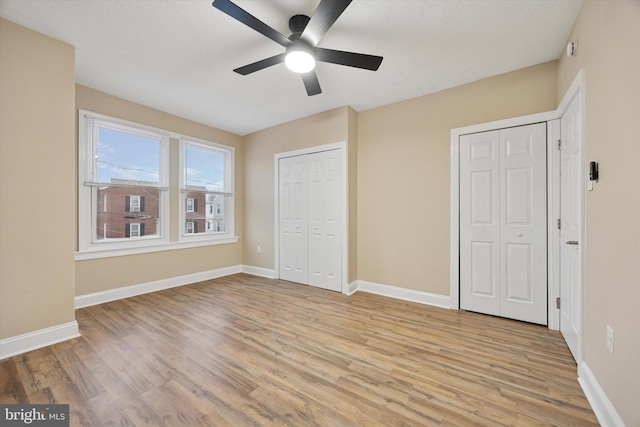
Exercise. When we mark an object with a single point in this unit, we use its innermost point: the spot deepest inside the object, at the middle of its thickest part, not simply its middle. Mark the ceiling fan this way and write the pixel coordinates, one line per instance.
(301, 51)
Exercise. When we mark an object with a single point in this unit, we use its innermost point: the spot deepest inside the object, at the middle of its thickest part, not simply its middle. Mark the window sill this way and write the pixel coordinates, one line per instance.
(109, 253)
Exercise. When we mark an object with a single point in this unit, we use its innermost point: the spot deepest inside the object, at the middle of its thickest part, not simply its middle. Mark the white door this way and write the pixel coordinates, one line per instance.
(503, 226)
(309, 219)
(324, 220)
(523, 223)
(293, 218)
(571, 225)
(480, 222)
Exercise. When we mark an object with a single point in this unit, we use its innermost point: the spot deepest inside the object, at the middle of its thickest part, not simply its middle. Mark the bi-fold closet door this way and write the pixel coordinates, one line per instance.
(503, 223)
(309, 211)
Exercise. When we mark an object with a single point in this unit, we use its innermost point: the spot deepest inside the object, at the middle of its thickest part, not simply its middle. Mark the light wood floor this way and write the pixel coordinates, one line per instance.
(245, 351)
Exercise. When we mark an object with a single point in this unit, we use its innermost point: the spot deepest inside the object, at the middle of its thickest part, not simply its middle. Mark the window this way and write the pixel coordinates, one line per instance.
(134, 230)
(124, 189)
(124, 164)
(205, 181)
(133, 203)
(190, 227)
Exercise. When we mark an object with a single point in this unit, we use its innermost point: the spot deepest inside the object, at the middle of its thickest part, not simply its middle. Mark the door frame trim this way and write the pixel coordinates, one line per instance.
(553, 197)
(342, 146)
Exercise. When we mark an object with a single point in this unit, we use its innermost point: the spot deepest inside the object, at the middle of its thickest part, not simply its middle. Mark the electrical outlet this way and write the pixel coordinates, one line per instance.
(259, 249)
(609, 343)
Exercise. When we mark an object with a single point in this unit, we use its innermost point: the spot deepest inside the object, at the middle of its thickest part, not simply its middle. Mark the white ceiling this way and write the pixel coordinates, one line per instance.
(178, 56)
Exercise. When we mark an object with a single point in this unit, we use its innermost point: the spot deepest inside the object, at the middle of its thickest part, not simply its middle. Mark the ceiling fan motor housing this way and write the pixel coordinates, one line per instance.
(297, 24)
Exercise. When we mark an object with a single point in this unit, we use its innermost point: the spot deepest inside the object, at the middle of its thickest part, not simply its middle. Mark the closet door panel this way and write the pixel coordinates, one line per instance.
(479, 222)
(293, 219)
(324, 202)
(523, 228)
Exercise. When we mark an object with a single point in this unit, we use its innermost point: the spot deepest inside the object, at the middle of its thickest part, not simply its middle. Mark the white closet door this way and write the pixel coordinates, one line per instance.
(293, 218)
(503, 253)
(523, 225)
(325, 253)
(310, 219)
(480, 222)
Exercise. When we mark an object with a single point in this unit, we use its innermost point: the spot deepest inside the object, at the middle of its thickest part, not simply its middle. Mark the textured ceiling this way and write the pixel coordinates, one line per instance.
(178, 56)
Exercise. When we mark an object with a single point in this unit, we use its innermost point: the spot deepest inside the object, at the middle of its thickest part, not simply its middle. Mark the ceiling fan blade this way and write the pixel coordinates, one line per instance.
(350, 59)
(311, 83)
(251, 21)
(322, 19)
(261, 65)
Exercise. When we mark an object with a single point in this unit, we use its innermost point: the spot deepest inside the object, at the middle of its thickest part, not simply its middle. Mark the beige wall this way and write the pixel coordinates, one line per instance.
(404, 173)
(324, 128)
(36, 181)
(352, 164)
(608, 35)
(110, 273)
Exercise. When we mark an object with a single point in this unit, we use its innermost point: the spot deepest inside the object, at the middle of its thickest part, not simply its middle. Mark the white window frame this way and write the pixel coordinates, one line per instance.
(229, 165)
(134, 207)
(190, 206)
(190, 230)
(89, 248)
(137, 227)
(87, 188)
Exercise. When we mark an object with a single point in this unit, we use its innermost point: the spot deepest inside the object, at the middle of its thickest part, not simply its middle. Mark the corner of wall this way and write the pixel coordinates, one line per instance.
(352, 159)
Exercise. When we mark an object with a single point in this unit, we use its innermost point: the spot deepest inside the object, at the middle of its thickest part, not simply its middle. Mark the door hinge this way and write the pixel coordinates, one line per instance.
(558, 303)
(559, 145)
(559, 224)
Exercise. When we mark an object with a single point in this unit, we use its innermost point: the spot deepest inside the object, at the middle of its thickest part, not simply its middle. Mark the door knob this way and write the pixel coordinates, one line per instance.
(571, 242)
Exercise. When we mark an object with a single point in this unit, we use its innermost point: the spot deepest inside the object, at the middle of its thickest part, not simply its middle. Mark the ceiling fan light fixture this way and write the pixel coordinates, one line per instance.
(300, 61)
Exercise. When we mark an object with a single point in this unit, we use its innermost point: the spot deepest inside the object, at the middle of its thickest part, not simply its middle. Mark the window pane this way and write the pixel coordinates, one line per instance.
(204, 168)
(208, 214)
(125, 212)
(134, 230)
(124, 157)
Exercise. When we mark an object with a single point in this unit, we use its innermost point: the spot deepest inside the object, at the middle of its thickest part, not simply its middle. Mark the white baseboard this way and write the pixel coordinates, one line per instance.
(269, 273)
(352, 288)
(600, 403)
(37, 339)
(157, 285)
(421, 297)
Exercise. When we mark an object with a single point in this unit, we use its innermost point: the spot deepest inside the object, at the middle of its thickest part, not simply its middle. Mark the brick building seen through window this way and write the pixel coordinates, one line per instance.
(204, 212)
(133, 212)
(127, 212)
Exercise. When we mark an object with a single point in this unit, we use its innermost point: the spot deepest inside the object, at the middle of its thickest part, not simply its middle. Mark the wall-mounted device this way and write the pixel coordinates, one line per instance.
(593, 171)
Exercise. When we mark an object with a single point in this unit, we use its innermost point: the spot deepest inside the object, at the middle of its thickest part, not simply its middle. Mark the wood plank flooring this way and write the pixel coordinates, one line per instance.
(248, 351)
